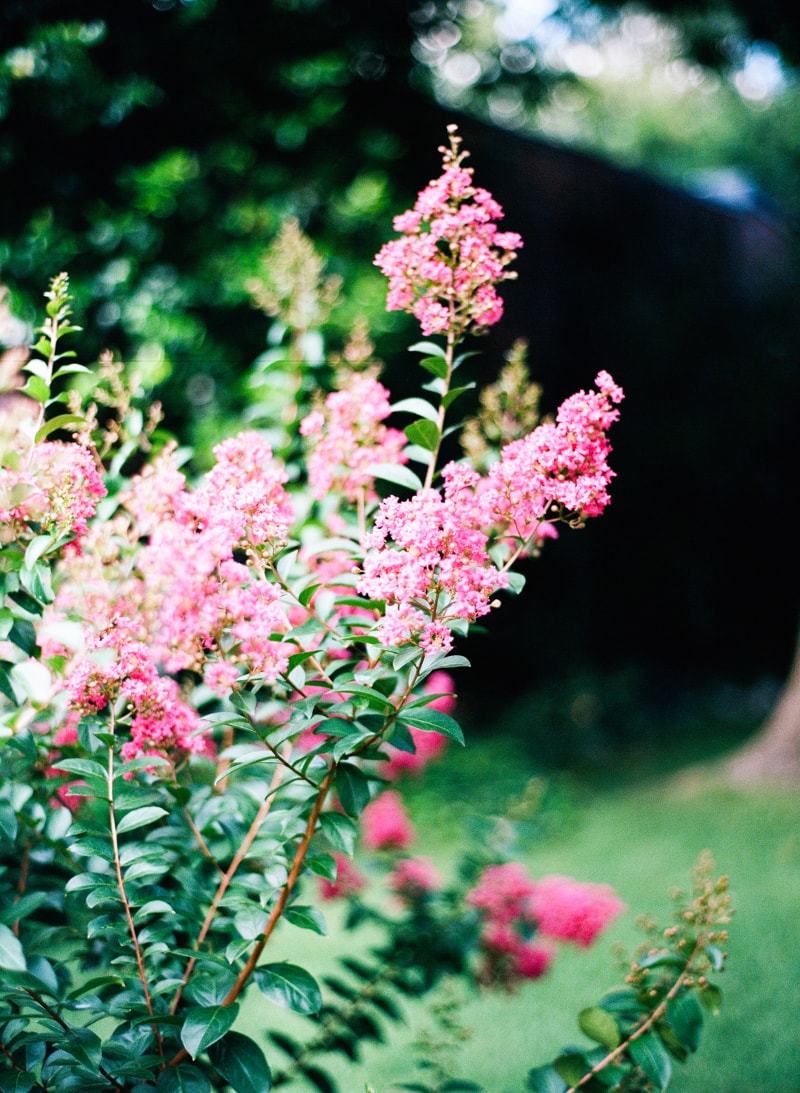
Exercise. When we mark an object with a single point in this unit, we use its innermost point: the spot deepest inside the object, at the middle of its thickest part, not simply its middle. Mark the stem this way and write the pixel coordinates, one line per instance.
(280, 903)
(22, 882)
(225, 881)
(112, 823)
(59, 1020)
(449, 357)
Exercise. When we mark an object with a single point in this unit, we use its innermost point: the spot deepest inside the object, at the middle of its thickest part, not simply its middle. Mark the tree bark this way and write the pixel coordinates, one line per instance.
(773, 754)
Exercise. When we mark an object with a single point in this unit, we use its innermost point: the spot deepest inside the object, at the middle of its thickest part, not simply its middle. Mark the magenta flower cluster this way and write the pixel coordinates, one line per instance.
(445, 268)
(521, 917)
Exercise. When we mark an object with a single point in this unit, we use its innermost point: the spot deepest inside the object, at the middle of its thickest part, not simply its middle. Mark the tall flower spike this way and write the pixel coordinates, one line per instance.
(445, 268)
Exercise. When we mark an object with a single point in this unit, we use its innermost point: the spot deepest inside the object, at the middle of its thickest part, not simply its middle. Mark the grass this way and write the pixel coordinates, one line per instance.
(642, 835)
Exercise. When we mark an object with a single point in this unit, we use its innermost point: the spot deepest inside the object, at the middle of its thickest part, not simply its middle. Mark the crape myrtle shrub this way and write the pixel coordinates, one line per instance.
(212, 690)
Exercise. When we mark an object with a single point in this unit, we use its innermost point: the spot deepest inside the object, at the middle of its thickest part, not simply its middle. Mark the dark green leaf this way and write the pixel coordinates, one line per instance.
(340, 831)
(290, 986)
(664, 958)
(353, 789)
(182, 1079)
(306, 918)
(241, 1063)
(323, 865)
(651, 1056)
(23, 635)
(5, 683)
(455, 393)
(320, 1079)
(421, 717)
(204, 1025)
(545, 1080)
(685, 1015)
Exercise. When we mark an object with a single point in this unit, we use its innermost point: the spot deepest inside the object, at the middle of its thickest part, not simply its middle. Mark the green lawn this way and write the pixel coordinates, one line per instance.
(643, 839)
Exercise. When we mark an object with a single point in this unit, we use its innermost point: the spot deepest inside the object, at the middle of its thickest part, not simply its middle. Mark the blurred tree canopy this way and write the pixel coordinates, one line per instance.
(153, 148)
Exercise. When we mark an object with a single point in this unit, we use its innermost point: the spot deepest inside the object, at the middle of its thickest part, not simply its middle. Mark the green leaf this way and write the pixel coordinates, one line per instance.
(652, 1057)
(397, 474)
(455, 393)
(600, 1026)
(8, 822)
(352, 787)
(182, 1079)
(375, 698)
(6, 686)
(427, 347)
(545, 1080)
(685, 1015)
(421, 717)
(153, 907)
(87, 767)
(62, 421)
(322, 865)
(290, 986)
(571, 1067)
(70, 369)
(418, 406)
(12, 958)
(36, 388)
(140, 817)
(424, 433)
(204, 1025)
(711, 997)
(340, 831)
(663, 958)
(36, 548)
(241, 1063)
(307, 918)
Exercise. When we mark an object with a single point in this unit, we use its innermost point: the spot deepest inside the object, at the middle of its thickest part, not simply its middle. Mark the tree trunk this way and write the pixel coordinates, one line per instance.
(773, 755)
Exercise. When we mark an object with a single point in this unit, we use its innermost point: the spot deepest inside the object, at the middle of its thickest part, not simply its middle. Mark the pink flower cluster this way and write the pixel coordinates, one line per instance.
(349, 880)
(185, 599)
(445, 268)
(56, 486)
(413, 878)
(161, 722)
(521, 917)
(571, 910)
(427, 558)
(560, 469)
(386, 824)
(349, 439)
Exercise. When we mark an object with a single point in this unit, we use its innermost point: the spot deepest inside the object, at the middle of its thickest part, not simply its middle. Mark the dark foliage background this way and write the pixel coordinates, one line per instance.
(153, 149)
